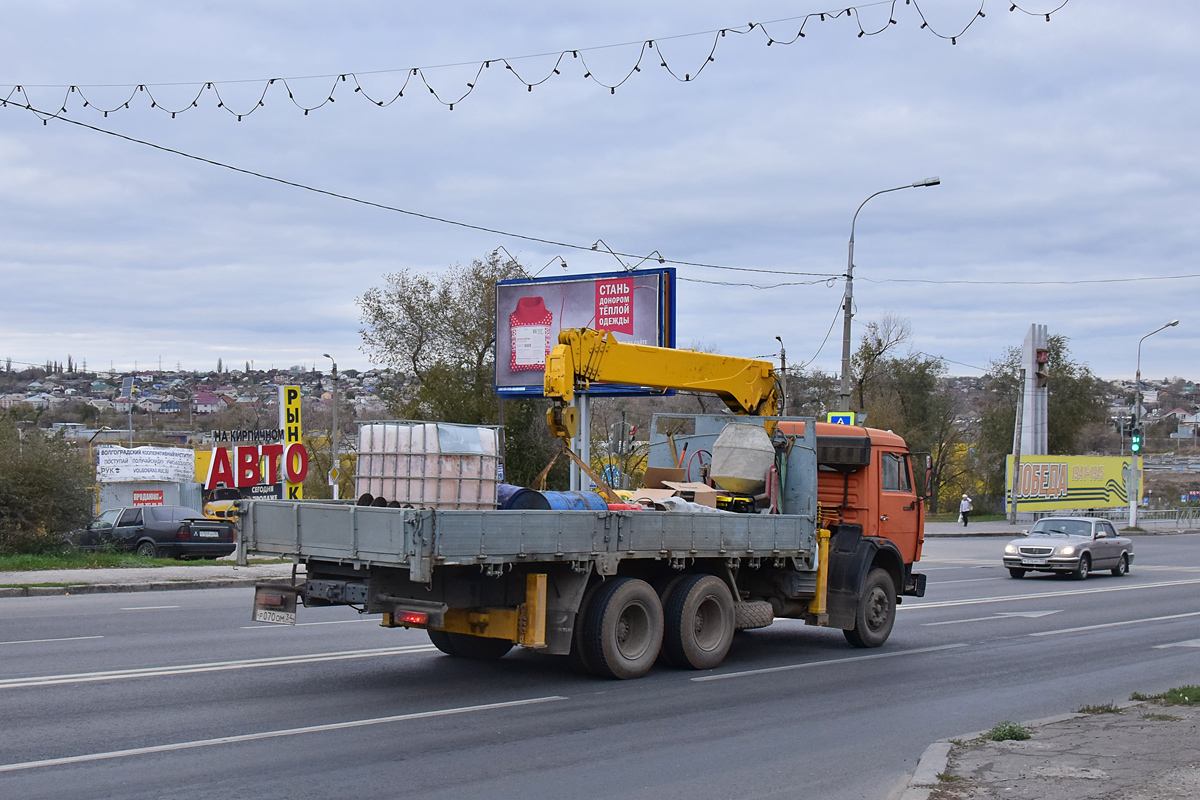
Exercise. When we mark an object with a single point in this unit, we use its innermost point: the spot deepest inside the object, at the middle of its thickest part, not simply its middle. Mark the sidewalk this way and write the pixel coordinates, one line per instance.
(1148, 751)
(1002, 528)
(219, 575)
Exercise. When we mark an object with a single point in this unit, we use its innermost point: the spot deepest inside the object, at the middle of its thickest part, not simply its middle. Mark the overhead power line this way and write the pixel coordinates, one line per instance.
(596, 247)
(784, 31)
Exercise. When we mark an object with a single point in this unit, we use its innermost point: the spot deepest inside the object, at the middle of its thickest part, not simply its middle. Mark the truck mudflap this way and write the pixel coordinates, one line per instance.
(850, 558)
(914, 584)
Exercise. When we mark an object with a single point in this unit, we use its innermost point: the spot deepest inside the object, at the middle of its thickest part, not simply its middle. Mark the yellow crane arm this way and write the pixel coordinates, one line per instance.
(584, 356)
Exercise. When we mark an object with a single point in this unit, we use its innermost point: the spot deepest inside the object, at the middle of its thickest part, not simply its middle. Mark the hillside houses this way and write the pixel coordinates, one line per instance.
(178, 399)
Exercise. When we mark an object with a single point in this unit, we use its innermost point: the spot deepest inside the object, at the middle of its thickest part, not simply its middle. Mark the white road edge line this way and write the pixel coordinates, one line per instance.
(1114, 624)
(1188, 643)
(63, 639)
(827, 662)
(147, 608)
(251, 737)
(1034, 596)
(214, 666)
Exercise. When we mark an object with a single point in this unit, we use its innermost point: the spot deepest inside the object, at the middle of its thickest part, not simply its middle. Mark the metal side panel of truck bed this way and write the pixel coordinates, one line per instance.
(421, 539)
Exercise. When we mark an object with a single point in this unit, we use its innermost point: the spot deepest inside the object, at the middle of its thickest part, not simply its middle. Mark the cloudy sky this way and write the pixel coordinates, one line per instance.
(1067, 152)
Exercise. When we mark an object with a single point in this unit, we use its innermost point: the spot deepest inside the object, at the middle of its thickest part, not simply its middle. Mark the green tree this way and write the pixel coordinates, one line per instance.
(907, 394)
(44, 488)
(437, 337)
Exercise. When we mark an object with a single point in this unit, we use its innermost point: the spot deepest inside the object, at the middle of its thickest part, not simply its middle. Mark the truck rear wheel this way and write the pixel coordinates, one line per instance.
(698, 623)
(876, 612)
(623, 629)
(462, 645)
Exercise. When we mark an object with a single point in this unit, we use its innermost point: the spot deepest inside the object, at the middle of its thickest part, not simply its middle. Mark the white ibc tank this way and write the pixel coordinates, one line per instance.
(428, 464)
(741, 457)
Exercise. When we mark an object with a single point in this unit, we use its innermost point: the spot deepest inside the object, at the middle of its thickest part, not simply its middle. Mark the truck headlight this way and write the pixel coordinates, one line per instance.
(1066, 551)
(1010, 549)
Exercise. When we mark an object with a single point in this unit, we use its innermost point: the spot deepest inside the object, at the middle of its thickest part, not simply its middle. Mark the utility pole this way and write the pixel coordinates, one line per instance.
(334, 476)
(783, 375)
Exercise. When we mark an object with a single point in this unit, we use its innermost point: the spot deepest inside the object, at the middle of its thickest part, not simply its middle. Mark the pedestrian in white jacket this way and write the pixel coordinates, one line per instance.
(964, 509)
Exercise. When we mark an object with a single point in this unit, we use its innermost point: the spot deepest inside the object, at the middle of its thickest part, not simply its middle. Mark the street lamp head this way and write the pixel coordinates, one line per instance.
(328, 356)
(1172, 323)
(934, 181)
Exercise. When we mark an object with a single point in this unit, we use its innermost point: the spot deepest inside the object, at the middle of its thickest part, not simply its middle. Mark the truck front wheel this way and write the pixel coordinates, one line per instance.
(623, 629)
(876, 612)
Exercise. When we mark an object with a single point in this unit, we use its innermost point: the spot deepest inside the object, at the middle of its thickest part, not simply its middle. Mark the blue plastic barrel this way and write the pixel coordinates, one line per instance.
(529, 499)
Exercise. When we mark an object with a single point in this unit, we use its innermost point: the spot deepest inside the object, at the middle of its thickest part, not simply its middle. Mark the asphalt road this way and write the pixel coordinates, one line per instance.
(179, 695)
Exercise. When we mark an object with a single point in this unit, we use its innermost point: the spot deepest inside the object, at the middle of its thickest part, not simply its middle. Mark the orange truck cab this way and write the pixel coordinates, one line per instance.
(868, 500)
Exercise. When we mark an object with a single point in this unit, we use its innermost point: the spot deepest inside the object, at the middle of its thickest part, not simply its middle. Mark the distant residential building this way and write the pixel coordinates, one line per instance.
(206, 403)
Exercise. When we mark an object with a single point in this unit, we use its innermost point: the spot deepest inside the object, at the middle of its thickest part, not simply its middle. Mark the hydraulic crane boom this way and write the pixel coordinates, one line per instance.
(583, 356)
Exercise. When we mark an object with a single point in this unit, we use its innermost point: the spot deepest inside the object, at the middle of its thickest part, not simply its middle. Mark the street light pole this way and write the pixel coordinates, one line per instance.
(333, 456)
(1134, 472)
(848, 304)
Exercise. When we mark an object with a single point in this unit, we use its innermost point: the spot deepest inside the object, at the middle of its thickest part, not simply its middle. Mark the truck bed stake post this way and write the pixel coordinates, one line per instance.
(817, 604)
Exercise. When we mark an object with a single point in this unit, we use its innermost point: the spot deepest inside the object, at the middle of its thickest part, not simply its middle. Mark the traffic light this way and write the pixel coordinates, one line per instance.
(1135, 440)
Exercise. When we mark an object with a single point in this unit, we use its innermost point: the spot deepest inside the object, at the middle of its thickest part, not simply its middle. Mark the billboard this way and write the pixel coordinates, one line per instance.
(1052, 483)
(289, 421)
(637, 306)
(123, 465)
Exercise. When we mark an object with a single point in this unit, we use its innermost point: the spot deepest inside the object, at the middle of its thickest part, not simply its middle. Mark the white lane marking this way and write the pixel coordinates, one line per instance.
(1001, 615)
(1188, 643)
(252, 737)
(1037, 595)
(213, 666)
(825, 663)
(969, 580)
(147, 608)
(301, 624)
(63, 639)
(1115, 624)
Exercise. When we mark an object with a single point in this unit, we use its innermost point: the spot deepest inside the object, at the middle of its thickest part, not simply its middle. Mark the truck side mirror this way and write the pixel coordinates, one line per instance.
(928, 476)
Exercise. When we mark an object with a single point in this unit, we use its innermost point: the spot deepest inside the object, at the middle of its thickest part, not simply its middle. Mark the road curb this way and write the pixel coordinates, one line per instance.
(155, 586)
(936, 758)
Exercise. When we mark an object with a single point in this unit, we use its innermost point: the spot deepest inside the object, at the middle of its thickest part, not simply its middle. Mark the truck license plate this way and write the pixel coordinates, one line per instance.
(1033, 562)
(275, 617)
(274, 606)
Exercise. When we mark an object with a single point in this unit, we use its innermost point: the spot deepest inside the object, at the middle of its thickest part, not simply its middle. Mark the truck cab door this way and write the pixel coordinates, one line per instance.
(900, 510)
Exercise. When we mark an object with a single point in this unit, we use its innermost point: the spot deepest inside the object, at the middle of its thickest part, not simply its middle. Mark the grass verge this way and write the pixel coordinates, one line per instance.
(1180, 696)
(1104, 708)
(953, 517)
(30, 563)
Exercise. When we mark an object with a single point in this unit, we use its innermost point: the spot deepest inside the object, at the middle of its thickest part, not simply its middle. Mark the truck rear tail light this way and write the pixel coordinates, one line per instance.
(269, 600)
(412, 618)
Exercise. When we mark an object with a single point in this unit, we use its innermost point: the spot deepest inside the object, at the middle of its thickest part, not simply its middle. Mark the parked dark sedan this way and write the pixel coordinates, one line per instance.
(1071, 545)
(157, 532)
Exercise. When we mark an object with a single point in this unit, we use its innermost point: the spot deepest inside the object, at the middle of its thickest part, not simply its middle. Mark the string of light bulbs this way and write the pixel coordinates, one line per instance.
(419, 77)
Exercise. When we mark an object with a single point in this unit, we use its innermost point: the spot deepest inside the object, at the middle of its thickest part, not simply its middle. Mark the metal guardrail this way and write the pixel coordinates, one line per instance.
(1171, 463)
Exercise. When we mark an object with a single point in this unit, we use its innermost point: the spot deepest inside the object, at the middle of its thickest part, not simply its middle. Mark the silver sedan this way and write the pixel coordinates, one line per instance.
(1071, 545)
